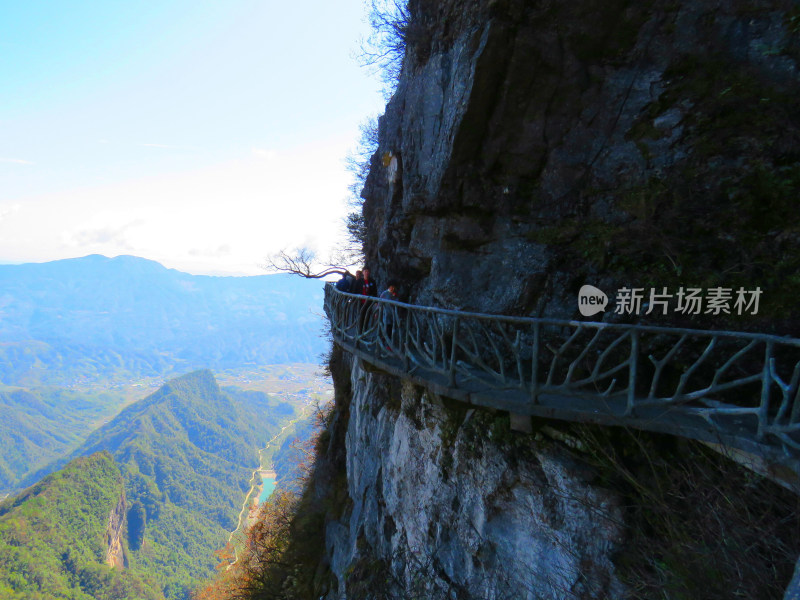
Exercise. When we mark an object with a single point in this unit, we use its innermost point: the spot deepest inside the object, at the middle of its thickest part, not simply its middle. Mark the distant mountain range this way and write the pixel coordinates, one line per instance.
(89, 317)
(171, 470)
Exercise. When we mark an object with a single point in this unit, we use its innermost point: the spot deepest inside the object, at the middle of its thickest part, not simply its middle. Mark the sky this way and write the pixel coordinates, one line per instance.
(203, 134)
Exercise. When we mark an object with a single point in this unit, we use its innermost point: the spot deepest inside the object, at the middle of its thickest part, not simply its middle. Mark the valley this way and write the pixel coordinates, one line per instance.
(47, 422)
(187, 459)
(137, 423)
(257, 494)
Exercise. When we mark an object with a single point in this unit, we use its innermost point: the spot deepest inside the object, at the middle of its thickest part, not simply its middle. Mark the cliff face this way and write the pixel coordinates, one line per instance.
(444, 502)
(541, 146)
(115, 551)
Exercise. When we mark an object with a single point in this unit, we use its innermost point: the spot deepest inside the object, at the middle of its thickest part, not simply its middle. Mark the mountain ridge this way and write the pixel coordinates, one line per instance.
(124, 317)
(184, 455)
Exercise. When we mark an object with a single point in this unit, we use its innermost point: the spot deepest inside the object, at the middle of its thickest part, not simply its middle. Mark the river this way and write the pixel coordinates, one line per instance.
(266, 476)
(268, 479)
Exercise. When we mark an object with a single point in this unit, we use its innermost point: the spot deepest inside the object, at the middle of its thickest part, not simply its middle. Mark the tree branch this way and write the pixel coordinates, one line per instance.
(301, 262)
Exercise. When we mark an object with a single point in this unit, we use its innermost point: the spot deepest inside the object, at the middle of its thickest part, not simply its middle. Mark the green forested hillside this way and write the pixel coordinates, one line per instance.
(41, 425)
(53, 538)
(185, 454)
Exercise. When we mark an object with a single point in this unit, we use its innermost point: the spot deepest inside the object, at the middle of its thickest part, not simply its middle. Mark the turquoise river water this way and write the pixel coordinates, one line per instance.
(269, 485)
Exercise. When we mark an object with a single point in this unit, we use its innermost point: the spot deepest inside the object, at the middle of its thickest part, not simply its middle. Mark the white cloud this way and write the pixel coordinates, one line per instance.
(262, 153)
(101, 236)
(8, 210)
(224, 218)
(16, 161)
(218, 252)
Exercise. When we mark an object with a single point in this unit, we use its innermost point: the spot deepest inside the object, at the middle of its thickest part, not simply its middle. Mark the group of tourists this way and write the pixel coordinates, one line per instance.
(365, 285)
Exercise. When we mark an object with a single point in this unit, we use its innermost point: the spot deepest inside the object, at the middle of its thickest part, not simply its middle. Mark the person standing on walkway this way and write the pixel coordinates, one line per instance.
(345, 284)
(358, 283)
(368, 288)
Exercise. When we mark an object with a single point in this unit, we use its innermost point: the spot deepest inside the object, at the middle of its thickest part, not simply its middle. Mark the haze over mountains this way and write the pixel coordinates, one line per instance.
(127, 316)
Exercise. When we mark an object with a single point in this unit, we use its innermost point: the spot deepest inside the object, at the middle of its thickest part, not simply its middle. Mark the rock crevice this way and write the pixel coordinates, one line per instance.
(115, 532)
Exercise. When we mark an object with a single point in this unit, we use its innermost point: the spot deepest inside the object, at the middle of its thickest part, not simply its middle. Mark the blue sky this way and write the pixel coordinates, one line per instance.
(203, 134)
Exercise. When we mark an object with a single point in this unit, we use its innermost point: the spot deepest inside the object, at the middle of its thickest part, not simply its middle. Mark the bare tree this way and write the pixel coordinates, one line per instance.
(384, 49)
(302, 262)
(358, 163)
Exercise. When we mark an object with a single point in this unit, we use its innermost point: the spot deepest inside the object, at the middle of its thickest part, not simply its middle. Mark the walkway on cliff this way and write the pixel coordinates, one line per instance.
(740, 391)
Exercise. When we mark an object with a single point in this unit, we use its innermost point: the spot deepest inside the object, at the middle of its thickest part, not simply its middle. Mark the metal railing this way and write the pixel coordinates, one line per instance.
(741, 389)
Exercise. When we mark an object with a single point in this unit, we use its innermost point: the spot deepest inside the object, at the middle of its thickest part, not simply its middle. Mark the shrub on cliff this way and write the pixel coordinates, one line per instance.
(384, 49)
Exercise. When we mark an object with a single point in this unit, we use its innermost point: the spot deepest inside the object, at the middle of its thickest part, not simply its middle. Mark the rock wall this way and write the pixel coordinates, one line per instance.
(542, 145)
(545, 144)
(445, 502)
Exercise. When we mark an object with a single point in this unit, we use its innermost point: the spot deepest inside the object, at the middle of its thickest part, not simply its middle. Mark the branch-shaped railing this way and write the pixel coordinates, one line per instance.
(732, 387)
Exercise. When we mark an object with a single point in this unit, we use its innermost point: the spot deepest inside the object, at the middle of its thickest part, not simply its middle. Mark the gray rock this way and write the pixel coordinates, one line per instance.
(463, 514)
(522, 131)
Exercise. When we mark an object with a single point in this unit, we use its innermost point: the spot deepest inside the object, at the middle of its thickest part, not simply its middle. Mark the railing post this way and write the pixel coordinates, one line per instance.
(379, 329)
(454, 342)
(360, 316)
(766, 384)
(406, 333)
(535, 365)
(632, 372)
(518, 356)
